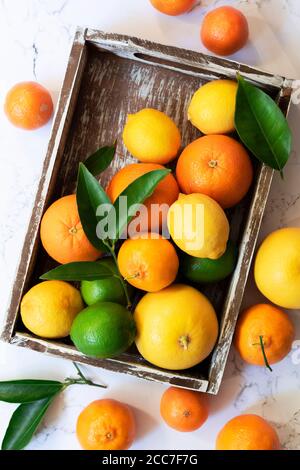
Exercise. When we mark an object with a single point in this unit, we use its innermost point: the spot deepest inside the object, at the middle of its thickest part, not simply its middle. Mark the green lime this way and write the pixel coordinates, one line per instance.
(104, 329)
(209, 270)
(104, 290)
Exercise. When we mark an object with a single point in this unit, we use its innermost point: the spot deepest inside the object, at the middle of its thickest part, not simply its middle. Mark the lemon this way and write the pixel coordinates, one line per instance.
(213, 106)
(177, 327)
(277, 268)
(49, 308)
(198, 226)
(151, 136)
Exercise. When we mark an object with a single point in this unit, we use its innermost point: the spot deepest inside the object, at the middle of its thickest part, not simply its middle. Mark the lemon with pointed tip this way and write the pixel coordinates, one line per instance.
(151, 136)
(212, 107)
(49, 308)
(177, 327)
(198, 226)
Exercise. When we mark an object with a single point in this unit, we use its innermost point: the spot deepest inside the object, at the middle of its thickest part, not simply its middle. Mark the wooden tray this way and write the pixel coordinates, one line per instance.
(109, 76)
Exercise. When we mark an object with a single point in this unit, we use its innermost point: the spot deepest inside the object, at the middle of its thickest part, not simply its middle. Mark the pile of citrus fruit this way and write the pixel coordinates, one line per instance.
(151, 293)
(173, 324)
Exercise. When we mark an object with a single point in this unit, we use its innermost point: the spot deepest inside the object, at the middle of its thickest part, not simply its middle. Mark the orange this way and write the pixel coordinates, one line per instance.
(224, 31)
(247, 432)
(150, 264)
(183, 410)
(106, 425)
(62, 234)
(215, 165)
(28, 105)
(166, 192)
(173, 7)
(270, 323)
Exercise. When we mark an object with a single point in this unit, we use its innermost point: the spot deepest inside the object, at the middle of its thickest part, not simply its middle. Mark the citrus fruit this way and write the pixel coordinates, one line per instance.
(104, 329)
(224, 30)
(177, 327)
(207, 270)
(268, 324)
(212, 107)
(198, 226)
(166, 192)
(62, 234)
(151, 136)
(183, 410)
(148, 262)
(106, 425)
(173, 7)
(277, 268)
(218, 166)
(28, 105)
(247, 432)
(49, 308)
(104, 290)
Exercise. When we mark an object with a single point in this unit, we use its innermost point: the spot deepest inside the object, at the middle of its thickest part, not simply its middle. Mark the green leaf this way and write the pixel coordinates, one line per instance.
(100, 160)
(79, 271)
(262, 126)
(137, 192)
(24, 423)
(26, 391)
(90, 195)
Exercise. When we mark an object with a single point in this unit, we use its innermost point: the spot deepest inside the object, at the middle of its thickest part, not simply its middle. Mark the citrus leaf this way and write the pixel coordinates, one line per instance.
(136, 193)
(261, 126)
(90, 195)
(26, 391)
(79, 271)
(100, 160)
(24, 423)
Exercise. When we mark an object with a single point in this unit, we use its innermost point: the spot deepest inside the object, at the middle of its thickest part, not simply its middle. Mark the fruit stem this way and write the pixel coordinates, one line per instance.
(261, 341)
(113, 254)
(82, 380)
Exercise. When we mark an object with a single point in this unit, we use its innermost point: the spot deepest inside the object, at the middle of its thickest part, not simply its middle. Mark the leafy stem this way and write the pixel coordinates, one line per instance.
(262, 346)
(81, 381)
(111, 248)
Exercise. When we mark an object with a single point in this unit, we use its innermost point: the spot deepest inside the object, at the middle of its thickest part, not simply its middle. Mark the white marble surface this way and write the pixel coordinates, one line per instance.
(35, 38)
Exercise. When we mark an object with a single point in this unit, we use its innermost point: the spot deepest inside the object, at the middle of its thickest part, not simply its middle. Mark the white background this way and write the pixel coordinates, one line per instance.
(35, 39)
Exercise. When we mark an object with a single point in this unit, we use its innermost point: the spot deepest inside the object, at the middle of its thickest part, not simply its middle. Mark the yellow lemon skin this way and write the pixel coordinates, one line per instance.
(151, 136)
(213, 106)
(49, 308)
(198, 226)
(277, 268)
(177, 327)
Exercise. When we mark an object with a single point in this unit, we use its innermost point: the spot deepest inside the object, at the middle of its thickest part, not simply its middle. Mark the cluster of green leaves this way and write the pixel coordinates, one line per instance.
(90, 195)
(261, 126)
(35, 397)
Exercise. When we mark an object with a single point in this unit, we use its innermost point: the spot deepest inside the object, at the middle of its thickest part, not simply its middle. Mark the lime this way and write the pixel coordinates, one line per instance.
(104, 290)
(209, 270)
(104, 329)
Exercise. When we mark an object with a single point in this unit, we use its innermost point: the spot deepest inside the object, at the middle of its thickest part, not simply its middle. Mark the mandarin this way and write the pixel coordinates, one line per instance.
(106, 425)
(165, 193)
(224, 30)
(183, 410)
(148, 262)
(218, 166)
(247, 432)
(28, 105)
(173, 7)
(62, 234)
(269, 323)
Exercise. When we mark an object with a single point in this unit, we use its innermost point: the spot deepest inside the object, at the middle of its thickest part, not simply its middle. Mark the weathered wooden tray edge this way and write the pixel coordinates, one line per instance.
(66, 104)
